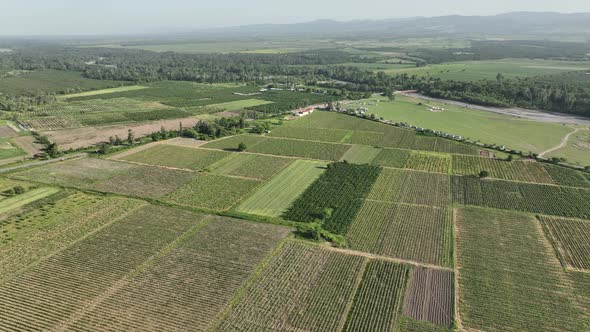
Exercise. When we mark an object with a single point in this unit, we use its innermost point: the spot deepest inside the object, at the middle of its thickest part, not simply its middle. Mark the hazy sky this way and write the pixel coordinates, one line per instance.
(26, 17)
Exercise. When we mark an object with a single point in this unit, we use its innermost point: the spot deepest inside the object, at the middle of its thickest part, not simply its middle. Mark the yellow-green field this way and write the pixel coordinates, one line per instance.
(105, 91)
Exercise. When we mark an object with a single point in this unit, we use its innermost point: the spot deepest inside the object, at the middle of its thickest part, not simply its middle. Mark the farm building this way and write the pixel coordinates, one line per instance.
(303, 111)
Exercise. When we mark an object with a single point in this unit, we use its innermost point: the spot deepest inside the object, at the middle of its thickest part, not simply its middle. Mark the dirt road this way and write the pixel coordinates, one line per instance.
(561, 145)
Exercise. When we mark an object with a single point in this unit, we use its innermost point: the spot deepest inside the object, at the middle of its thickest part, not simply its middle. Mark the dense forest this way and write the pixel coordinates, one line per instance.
(567, 93)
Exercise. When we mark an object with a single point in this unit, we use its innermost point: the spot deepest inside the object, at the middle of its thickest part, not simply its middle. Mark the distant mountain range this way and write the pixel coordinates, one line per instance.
(516, 23)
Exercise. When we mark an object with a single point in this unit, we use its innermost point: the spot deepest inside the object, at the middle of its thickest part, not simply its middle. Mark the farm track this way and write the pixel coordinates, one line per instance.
(561, 145)
(389, 259)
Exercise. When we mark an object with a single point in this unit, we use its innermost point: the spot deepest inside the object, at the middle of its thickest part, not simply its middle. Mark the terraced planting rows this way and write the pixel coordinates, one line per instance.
(378, 299)
(411, 187)
(535, 198)
(571, 240)
(428, 162)
(509, 278)
(277, 195)
(412, 232)
(49, 295)
(335, 197)
(500, 169)
(567, 177)
(430, 296)
(171, 295)
(303, 287)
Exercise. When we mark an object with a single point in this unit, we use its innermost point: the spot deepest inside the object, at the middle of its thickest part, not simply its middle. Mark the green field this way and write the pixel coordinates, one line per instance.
(104, 91)
(526, 171)
(239, 105)
(8, 149)
(178, 157)
(510, 280)
(361, 154)
(300, 148)
(577, 149)
(250, 165)
(51, 81)
(277, 195)
(231, 143)
(490, 128)
(479, 70)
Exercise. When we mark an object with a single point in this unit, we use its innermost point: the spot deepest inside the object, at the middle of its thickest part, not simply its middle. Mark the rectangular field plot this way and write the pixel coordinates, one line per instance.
(80, 173)
(303, 288)
(62, 287)
(429, 162)
(144, 181)
(188, 288)
(412, 232)
(378, 298)
(361, 154)
(215, 192)
(178, 157)
(300, 148)
(15, 202)
(509, 278)
(501, 169)
(411, 187)
(251, 165)
(311, 134)
(32, 235)
(331, 120)
(564, 176)
(392, 158)
(335, 197)
(536, 198)
(571, 240)
(430, 296)
(231, 143)
(277, 195)
(239, 104)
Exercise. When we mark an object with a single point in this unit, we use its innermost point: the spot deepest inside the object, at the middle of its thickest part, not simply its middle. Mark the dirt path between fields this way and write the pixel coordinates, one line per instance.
(550, 117)
(561, 145)
(385, 258)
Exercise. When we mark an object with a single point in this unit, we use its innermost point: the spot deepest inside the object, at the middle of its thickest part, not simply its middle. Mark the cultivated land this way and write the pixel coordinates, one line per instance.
(425, 245)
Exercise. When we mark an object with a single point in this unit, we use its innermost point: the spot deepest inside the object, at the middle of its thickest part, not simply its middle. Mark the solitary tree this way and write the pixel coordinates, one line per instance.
(510, 158)
(484, 174)
(19, 190)
(242, 147)
(130, 137)
(500, 78)
(104, 148)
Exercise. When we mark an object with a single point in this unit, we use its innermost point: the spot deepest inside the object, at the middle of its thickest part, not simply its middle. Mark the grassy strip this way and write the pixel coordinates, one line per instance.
(26, 198)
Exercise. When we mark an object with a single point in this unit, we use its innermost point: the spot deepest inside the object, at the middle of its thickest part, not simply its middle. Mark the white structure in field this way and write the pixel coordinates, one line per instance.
(303, 111)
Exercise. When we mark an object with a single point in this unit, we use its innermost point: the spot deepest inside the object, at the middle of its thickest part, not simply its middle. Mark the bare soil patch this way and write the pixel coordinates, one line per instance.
(430, 296)
(184, 142)
(6, 131)
(28, 144)
(90, 136)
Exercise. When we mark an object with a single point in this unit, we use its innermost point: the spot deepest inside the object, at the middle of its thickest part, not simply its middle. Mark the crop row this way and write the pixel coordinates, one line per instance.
(430, 296)
(536, 198)
(378, 300)
(501, 169)
(304, 287)
(571, 240)
(411, 232)
(48, 294)
(509, 278)
(335, 197)
(568, 177)
(312, 134)
(178, 157)
(299, 148)
(411, 187)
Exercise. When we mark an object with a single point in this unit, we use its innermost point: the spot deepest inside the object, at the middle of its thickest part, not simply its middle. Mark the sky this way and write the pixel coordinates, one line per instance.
(84, 17)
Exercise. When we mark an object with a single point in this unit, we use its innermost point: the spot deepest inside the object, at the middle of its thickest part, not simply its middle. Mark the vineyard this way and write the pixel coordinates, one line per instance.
(177, 157)
(564, 176)
(105, 257)
(430, 296)
(303, 287)
(277, 195)
(231, 143)
(312, 134)
(428, 162)
(300, 148)
(411, 187)
(361, 154)
(378, 299)
(525, 286)
(501, 169)
(535, 198)
(412, 325)
(571, 240)
(392, 158)
(412, 232)
(250, 165)
(215, 192)
(160, 298)
(335, 197)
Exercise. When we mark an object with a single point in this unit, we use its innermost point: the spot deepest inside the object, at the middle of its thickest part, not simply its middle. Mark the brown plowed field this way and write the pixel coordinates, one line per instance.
(430, 296)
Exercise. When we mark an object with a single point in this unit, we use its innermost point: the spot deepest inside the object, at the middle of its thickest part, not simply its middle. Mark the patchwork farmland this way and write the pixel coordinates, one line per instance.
(327, 223)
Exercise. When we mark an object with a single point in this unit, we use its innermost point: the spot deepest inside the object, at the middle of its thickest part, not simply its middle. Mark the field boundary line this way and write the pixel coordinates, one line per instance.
(128, 278)
(385, 258)
(350, 304)
(406, 204)
(85, 236)
(254, 277)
